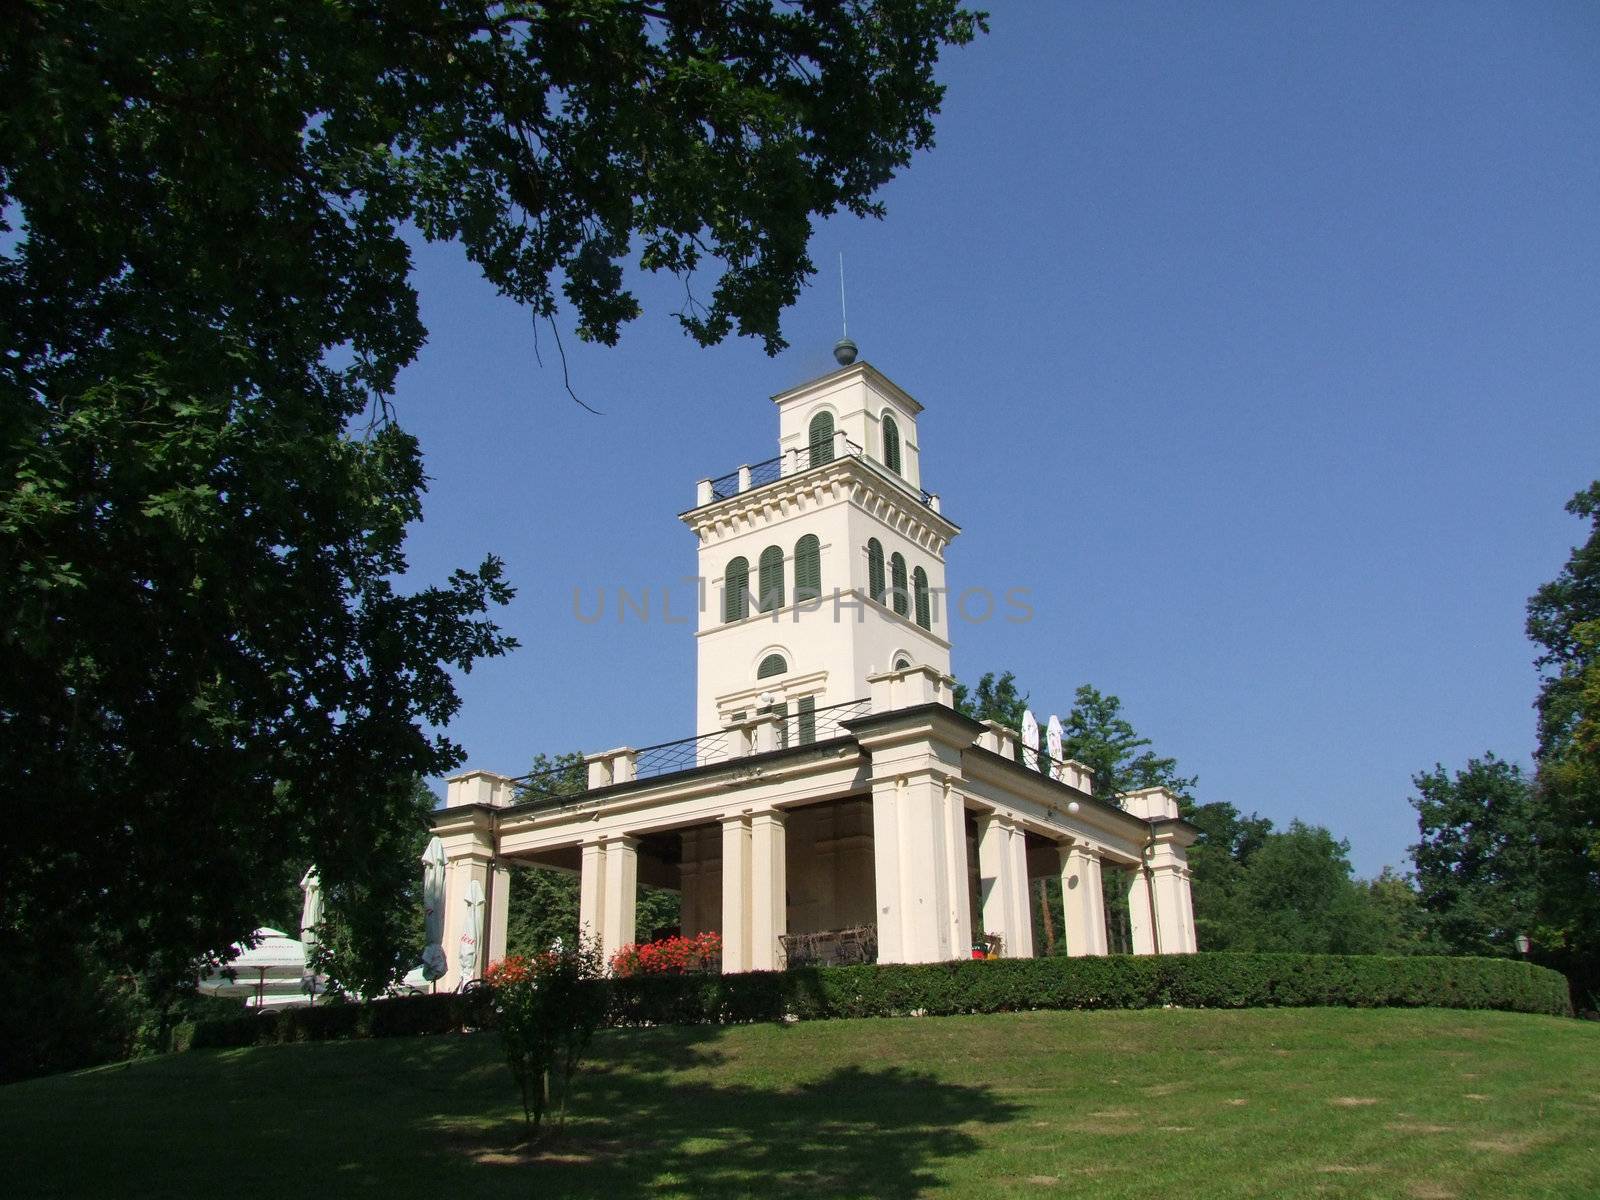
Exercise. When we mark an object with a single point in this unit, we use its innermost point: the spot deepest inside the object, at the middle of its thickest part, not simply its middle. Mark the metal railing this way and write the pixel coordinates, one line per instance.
(761, 474)
(566, 782)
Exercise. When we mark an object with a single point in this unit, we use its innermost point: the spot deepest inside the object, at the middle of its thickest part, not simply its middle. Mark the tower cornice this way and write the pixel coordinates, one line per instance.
(850, 479)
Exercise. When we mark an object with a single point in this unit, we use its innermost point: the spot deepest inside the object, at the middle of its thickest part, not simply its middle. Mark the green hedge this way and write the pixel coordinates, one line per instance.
(938, 989)
(401, 1016)
(1010, 985)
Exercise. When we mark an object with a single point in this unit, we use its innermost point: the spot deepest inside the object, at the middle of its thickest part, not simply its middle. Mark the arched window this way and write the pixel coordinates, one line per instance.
(772, 664)
(919, 592)
(902, 663)
(808, 568)
(891, 444)
(901, 594)
(770, 594)
(875, 569)
(821, 438)
(736, 590)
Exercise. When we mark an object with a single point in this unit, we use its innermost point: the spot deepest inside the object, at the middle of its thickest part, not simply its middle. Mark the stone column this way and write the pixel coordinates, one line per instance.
(1141, 919)
(689, 883)
(1083, 902)
(591, 892)
(1174, 919)
(1003, 884)
(735, 894)
(959, 879)
(769, 882)
(620, 908)
(919, 869)
(499, 907)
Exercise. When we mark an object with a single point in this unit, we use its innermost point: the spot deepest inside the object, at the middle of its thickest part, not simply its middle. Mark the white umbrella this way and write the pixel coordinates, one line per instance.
(310, 918)
(472, 931)
(433, 961)
(1030, 740)
(1052, 741)
(266, 974)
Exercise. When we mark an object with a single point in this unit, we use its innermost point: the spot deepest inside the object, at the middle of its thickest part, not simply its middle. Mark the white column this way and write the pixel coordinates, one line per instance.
(958, 886)
(499, 894)
(621, 895)
(1140, 917)
(1003, 884)
(735, 894)
(1174, 923)
(920, 869)
(689, 883)
(886, 871)
(992, 901)
(591, 893)
(1083, 904)
(1020, 896)
(769, 881)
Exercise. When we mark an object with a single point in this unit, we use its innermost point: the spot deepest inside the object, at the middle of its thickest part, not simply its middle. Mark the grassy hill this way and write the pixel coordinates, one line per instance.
(1273, 1103)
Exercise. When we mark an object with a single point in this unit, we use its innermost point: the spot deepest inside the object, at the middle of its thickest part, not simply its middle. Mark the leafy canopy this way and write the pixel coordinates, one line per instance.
(1564, 619)
(205, 296)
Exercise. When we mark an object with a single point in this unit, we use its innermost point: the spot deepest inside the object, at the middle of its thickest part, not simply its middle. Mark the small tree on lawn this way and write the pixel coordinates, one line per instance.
(548, 1008)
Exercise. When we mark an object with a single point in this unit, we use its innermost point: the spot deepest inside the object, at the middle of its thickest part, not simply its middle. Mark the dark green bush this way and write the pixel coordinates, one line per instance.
(1009, 985)
(1221, 980)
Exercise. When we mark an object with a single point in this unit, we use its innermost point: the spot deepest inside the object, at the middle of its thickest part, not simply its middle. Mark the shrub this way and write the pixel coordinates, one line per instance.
(547, 1008)
(1213, 980)
(669, 956)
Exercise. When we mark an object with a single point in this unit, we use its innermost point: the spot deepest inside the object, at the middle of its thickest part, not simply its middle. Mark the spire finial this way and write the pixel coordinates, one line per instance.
(844, 350)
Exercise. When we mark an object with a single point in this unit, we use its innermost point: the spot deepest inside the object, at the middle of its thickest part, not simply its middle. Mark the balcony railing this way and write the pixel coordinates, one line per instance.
(761, 474)
(771, 730)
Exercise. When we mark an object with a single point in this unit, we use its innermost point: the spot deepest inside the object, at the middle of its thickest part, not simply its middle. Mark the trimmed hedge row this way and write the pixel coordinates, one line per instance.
(400, 1016)
(1214, 980)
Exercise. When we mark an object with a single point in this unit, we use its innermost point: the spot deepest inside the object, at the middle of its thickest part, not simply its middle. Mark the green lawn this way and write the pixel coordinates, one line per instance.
(1171, 1104)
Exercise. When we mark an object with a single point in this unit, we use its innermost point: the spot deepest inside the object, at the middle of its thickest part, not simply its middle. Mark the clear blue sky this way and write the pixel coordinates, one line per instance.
(1258, 341)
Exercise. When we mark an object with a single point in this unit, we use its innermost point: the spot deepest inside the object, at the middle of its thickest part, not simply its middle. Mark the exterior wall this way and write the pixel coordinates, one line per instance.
(831, 644)
(857, 396)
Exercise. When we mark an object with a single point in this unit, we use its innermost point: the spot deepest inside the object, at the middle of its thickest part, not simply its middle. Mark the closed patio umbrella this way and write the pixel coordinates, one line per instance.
(434, 964)
(310, 919)
(472, 931)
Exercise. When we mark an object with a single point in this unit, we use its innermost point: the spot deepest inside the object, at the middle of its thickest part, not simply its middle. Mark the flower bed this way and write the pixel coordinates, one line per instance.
(669, 956)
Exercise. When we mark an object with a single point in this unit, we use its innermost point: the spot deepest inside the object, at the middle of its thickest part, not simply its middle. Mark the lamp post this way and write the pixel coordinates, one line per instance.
(1524, 944)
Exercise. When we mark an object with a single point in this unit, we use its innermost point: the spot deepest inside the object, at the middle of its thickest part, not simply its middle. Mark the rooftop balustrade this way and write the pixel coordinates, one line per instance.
(750, 477)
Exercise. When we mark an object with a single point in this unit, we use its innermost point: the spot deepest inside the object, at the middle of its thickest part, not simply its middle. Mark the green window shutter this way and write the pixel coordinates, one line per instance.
(772, 664)
(897, 579)
(821, 438)
(875, 569)
(808, 568)
(736, 590)
(781, 711)
(771, 591)
(808, 720)
(919, 589)
(891, 444)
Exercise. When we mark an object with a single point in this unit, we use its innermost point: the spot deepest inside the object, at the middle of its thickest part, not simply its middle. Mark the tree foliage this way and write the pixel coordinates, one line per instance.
(1476, 860)
(213, 670)
(372, 930)
(1564, 619)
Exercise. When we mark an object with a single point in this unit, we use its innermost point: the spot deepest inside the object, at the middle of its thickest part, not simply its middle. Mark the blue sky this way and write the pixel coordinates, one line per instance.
(1257, 341)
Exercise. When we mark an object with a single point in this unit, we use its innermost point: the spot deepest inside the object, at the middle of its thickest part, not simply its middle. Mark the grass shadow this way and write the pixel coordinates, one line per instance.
(642, 1129)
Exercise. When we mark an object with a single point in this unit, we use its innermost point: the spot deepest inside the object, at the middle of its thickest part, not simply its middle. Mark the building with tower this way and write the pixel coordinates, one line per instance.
(832, 800)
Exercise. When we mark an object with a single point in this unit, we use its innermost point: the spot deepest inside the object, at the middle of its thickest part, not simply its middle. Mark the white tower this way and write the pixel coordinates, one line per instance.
(824, 564)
